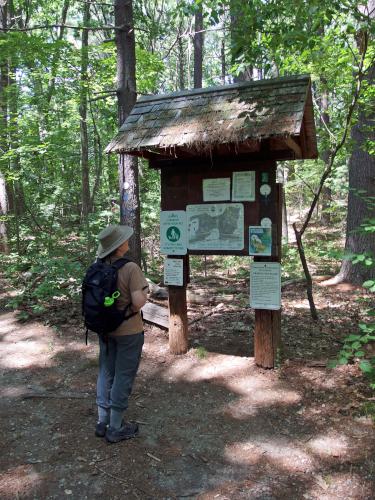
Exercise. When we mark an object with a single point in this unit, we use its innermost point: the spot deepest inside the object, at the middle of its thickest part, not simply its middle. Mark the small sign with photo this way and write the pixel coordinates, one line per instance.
(260, 241)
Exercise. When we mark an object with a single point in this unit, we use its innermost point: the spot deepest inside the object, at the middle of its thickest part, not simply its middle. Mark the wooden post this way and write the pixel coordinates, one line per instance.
(178, 324)
(267, 331)
(266, 337)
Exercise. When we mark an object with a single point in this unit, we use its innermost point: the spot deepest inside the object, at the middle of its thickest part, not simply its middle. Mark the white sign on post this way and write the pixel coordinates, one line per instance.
(174, 272)
(265, 285)
(173, 232)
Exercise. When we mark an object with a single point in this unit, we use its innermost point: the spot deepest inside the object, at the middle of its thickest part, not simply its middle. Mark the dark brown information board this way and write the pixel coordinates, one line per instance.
(182, 185)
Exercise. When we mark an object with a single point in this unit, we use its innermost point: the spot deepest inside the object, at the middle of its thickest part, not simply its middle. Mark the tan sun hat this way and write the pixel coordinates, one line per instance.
(111, 238)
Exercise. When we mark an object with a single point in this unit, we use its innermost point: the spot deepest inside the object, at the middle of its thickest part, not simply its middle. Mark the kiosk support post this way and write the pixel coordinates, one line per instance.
(178, 324)
(266, 337)
(267, 331)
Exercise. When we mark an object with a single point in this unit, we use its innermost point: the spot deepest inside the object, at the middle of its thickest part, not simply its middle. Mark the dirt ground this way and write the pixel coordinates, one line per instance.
(212, 424)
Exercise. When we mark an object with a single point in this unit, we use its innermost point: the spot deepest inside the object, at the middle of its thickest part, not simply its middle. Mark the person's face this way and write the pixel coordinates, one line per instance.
(123, 248)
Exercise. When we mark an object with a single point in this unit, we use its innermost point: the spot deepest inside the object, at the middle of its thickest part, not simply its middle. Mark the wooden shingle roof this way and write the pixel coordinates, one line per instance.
(267, 115)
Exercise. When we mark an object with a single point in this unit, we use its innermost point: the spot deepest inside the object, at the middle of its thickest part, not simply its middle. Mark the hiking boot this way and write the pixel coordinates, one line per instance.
(100, 429)
(128, 430)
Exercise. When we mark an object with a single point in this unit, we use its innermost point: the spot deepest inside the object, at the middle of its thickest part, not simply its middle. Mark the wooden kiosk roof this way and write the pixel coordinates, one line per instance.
(267, 118)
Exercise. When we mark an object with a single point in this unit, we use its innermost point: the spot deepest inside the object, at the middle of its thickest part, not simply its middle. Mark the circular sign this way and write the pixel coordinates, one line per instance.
(173, 233)
(265, 189)
(266, 222)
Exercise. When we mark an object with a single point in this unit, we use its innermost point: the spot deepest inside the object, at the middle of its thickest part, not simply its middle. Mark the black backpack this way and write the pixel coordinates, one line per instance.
(99, 309)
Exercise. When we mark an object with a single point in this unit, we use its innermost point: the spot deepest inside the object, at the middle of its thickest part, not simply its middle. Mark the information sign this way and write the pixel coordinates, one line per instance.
(216, 189)
(174, 272)
(243, 186)
(173, 232)
(260, 240)
(265, 285)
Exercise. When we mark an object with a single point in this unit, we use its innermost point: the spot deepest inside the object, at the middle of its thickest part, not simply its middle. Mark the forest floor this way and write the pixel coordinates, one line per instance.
(212, 424)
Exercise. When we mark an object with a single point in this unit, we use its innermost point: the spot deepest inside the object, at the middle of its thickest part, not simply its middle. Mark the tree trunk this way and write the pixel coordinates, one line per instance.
(284, 218)
(198, 48)
(361, 186)
(4, 248)
(85, 168)
(223, 62)
(236, 30)
(126, 95)
(326, 196)
(181, 58)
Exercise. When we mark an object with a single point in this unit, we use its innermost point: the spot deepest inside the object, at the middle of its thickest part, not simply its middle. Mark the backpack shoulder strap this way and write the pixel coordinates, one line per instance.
(120, 262)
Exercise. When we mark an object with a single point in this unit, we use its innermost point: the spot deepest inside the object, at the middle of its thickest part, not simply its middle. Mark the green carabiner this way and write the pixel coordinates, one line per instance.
(109, 301)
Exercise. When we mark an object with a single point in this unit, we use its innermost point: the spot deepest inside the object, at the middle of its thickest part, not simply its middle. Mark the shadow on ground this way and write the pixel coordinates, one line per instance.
(215, 427)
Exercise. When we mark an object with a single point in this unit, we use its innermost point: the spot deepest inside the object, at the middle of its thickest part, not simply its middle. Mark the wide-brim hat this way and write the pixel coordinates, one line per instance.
(111, 238)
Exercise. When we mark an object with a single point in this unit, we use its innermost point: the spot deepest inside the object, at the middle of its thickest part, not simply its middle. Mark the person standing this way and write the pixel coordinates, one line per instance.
(119, 357)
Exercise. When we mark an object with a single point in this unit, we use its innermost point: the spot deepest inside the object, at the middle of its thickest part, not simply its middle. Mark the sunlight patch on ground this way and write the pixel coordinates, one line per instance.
(14, 392)
(260, 391)
(336, 486)
(8, 323)
(215, 366)
(278, 451)
(331, 445)
(19, 482)
(249, 406)
(26, 345)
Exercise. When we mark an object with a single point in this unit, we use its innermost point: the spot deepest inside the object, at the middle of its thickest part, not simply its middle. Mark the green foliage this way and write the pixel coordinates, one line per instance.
(200, 352)
(359, 346)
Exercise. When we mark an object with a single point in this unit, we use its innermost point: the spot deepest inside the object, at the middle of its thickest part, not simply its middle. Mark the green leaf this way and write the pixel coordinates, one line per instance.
(359, 354)
(332, 363)
(351, 338)
(366, 367)
(342, 360)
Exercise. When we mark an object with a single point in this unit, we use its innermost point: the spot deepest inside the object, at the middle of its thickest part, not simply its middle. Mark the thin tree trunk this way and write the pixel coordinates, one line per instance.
(181, 58)
(223, 62)
(4, 247)
(198, 48)
(326, 199)
(55, 59)
(85, 168)
(126, 95)
(284, 218)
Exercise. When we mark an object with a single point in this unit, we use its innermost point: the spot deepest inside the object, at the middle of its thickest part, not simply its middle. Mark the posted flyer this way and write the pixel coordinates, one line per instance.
(260, 241)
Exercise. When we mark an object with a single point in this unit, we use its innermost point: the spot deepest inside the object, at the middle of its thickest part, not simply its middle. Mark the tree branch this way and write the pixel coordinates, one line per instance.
(338, 146)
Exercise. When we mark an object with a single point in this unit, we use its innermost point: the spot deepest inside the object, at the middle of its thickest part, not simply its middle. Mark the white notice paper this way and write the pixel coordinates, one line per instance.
(173, 232)
(265, 285)
(216, 189)
(174, 272)
(243, 186)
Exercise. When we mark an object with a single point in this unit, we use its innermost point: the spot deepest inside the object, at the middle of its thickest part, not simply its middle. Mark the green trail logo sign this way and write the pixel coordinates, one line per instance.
(173, 232)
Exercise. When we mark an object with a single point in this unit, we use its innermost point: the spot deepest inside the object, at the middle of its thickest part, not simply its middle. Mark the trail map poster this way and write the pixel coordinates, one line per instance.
(265, 285)
(215, 226)
(173, 232)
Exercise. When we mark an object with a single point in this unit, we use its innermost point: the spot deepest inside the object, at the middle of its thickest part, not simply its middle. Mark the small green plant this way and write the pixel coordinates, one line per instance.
(368, 410)
(278, 358)
(357, 347)
(201, 352)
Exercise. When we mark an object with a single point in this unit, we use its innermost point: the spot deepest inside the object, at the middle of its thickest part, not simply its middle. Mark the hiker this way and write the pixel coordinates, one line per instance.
(120, 353)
